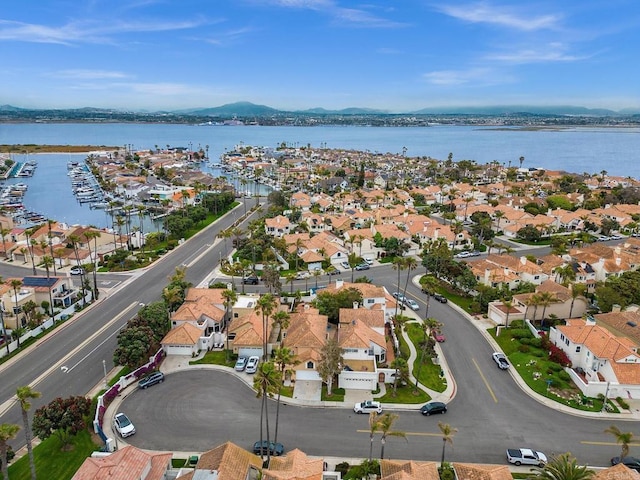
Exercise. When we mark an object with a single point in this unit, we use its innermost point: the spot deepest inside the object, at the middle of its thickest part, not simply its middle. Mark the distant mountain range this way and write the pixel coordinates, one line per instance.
(248, 109)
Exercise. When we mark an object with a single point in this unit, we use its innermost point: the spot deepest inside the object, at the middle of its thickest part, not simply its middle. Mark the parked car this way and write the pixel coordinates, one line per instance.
(433, 407)
(398, 296)
(440, 298)
(367, 407)
(475, 253)
(302, 275)
(526, 456)
(151, 379)
(241, 364)
(368, 260)
(438, 336)
(363, 266)
(631, 462)
(333, 271)
(345, 265)
(412, 304)
(252, 364)
(461, 255)
(501, 360)
(77, 271)
(275, 448)
(123, 425)
(251, 280)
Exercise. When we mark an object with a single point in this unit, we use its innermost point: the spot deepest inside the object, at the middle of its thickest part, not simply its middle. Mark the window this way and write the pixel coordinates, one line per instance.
(310, 365)
(370, 300)
(578, 348)
(232, 336)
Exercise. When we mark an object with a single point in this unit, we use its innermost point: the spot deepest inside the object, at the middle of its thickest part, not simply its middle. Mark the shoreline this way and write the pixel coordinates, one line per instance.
(42, 149)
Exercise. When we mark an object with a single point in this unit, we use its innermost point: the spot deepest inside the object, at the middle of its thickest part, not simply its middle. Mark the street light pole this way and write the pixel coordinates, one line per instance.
(104, 367)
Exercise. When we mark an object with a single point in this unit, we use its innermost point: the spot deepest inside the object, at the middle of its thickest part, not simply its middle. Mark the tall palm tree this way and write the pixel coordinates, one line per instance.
(447, 437)
(577, 290)
(532, 301)
(353, 260)
(8, 431)
(3, 233)
(507, 305)
(16, 284)
(93, 235)
(429, 285)
(385, 424)
(374, 426)
(546, 299)
(266, 382)
(284, 357)
(399, 265)
(410, 263)
(230, 297)
(266, 305)
(401, 372)
(2, 324)
(25, 394)
(563, 467)
(47, 262)
(623, 438)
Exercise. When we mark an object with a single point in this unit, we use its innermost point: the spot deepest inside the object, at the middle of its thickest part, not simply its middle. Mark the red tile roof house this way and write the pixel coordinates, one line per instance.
(602, 363)
(124, 464)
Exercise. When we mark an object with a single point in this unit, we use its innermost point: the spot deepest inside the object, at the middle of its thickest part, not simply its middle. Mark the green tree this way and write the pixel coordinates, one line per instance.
(374, 426)
(329, 303)
(447, 433)
(401, 373)
(25, 394)
(266, 382)
(563, 467)
(63, 417)
(354, 260)
(284, 358)
(386, 424)
(8, 431)
(230, 298)
(266, 305)
(134, 346)
(329, 364)
(623, 438)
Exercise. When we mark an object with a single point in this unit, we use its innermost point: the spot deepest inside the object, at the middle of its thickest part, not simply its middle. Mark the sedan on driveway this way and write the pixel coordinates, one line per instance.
(433, 407)
(252, 364)
(241, 364)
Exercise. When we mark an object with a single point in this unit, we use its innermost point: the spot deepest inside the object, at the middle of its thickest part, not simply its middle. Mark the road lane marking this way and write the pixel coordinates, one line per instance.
(486, 383)
(412, 434)
(60, 364)
(607, 444)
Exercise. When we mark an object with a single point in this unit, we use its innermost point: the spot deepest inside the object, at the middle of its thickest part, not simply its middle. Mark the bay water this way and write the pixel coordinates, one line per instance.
(577, 150)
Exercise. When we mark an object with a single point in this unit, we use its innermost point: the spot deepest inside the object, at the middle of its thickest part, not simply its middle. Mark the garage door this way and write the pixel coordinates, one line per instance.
(249, 352)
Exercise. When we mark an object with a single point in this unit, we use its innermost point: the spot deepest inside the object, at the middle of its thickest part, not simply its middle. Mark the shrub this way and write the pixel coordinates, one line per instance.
(446, 472)
(555, 367)
(564, 376)
(343, 468)
(558, 356)
(536, 342)
(623, 403)
(521, 333)
(525, 341)
(524, 348)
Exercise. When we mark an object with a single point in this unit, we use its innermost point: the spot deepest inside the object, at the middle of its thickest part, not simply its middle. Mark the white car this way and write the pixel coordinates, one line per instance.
(241, 364)
(367, 407)
(462, 255)
(252, 364)
(501, 360)
(345, 265)
(398, 296)
(412, 304)
(123, 425)
(77, 271)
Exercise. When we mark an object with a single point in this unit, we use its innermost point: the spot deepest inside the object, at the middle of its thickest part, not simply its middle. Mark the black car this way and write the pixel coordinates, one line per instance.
(631, 462)
(275, 449)
(250, 280)
(440, 298)
(334, 271)
(151, 379)
(433, 407)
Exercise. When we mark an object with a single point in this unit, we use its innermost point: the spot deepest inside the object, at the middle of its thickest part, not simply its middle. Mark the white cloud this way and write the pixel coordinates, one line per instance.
(485, 13)
(460, 77)
(81, 74)
(553, 52)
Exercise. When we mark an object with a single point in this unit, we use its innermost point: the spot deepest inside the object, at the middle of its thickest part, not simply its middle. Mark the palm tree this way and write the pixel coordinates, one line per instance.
(3, 233)
(507, 305)
(8, 431)
(283, 358)
(429, 285)
(374, 426)
(16, 284)
(533, 300)
(25, 394)
(545, 299)
(563, 467)
(47, 262)
(399, 265)
(577, 290)
(230, 297)
(401, 372)
(623, 438)
(447, 437)
(266, 305)
(93, 235)
(266, 382)
(410, 263)
(385, 423)
(353, 261)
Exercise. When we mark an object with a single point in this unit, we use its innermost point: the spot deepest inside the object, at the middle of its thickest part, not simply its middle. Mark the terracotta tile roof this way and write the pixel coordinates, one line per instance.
(625, 324)
(295, 465)
(306, 330)
(408, 470)
(248, 329)
(183, 334)
(368, 290)
(359, 335)
(472, 471)
(371, 318)
(124, 464)
(617, 472)
(229, 460)
(212, 295)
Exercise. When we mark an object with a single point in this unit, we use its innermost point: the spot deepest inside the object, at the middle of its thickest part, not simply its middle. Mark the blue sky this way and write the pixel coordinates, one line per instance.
(395, 55)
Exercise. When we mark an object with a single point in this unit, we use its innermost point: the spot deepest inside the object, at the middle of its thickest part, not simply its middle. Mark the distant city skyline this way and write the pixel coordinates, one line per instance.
(303, 54)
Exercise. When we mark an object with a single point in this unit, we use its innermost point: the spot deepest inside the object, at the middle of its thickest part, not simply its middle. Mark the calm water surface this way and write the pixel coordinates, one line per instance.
(616, 150)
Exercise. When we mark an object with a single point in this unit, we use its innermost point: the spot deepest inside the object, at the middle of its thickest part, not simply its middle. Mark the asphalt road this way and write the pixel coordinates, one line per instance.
(195, 411)
(70, 360)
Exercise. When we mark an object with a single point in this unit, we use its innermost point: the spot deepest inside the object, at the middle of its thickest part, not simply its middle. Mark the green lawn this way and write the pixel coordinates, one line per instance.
(404, 394)
(542, 375)
(216, 358)
(52, 462)
(337, 394)
(429, 372)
